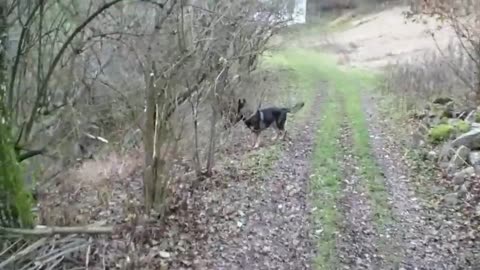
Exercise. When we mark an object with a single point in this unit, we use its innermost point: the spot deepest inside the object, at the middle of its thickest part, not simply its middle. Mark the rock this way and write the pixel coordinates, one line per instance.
(451, 169)
(477, 169)
(432, 155)
(475, 125)
(474, 158)
(469, 171)
(451, 199)
(164, 254)
(462, 191)
(460, 177)
(446, 153)
(442, 100)
(460, 157)
(443, 165)
(470, 139)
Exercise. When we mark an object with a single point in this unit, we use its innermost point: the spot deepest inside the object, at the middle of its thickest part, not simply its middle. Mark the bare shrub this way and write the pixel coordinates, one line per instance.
(424, 78)
(451, 71)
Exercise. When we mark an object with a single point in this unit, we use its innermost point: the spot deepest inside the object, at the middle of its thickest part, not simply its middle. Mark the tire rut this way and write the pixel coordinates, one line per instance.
(357, 243)
(412, 229)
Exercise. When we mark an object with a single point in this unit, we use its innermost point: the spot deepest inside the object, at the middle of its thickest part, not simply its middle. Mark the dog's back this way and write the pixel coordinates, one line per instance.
(264, 118)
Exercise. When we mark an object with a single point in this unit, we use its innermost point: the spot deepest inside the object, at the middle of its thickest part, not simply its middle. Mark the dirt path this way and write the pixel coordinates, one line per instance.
(358, 240)
(264, 223)
(412, 239)
(415, 228)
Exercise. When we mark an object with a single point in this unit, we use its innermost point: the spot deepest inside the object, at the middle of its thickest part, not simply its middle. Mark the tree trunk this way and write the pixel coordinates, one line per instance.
(148, 141)
(211, 143)
(477, 63)
(196, 152)
(15, 201)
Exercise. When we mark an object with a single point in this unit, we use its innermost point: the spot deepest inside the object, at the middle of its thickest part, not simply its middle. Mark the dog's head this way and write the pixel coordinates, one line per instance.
(246, 115)
(242, 111)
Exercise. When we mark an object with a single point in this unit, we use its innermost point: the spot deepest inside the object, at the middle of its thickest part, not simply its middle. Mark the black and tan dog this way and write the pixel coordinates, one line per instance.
(264, 118)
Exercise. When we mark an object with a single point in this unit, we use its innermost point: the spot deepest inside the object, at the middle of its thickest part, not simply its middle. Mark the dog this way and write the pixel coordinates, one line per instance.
(262, 119)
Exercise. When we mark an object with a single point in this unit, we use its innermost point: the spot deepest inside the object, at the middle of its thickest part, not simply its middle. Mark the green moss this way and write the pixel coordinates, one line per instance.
(444, 120)
(441, 132)
(477, 117)
(462, 126)
(15, 200)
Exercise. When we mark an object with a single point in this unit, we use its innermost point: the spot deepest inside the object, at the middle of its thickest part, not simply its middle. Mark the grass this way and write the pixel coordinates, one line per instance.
(325, 184)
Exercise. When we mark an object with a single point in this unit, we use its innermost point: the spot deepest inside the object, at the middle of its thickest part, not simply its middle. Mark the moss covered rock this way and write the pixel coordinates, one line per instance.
(441, 132)
(461, 126)
(445, 131)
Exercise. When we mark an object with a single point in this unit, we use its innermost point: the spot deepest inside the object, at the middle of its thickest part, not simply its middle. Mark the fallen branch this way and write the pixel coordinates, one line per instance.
(48, 231)
(23, 252)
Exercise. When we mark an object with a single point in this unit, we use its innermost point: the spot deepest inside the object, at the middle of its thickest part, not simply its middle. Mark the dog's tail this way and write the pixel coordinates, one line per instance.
(296, 107)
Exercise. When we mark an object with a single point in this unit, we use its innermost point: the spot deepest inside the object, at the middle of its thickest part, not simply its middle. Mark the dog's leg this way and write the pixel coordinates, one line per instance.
(277, 134)
(257, 144)
(277, 131)
(281, 127)
(257, 140)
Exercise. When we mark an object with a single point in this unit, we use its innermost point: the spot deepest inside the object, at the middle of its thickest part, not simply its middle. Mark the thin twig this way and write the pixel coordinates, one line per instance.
(9, 247)
(87, 256)
(48, 231)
